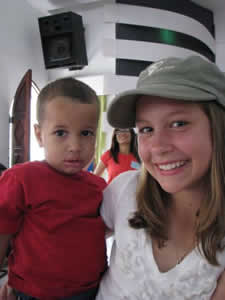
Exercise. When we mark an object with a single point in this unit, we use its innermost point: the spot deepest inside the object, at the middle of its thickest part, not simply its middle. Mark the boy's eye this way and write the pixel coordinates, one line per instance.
(87, 133)
(179, 124)
(60, 132)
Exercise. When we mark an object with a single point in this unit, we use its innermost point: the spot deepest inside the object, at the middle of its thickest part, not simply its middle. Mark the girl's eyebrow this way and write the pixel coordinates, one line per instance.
(141, 121)
(179, 112)
(60, 126)
(175, 112)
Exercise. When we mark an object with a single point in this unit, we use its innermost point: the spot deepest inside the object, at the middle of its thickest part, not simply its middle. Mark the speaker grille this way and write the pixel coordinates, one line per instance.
(59, 48)
(63, 42)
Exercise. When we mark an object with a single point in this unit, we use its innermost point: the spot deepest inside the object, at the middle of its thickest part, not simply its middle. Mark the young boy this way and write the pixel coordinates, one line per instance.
(49, 210)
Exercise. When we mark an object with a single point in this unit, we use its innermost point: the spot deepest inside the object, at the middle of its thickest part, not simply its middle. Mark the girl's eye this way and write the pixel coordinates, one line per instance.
(179, 124)
(60, 132)
(87, 133)
(145, 130)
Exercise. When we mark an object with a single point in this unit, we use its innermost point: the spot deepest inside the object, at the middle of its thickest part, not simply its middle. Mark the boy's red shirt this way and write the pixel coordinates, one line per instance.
(59, 237)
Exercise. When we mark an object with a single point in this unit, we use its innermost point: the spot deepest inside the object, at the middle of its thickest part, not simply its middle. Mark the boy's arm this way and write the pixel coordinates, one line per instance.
(6, 292)
(219, 293)
(100, 169)
(4, 243)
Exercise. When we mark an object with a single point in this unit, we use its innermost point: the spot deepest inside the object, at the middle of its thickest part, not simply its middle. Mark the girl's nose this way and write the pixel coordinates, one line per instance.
(161, 143)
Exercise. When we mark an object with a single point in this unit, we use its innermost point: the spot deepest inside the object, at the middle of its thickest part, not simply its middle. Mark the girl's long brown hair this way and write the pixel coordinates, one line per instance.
(153, 202)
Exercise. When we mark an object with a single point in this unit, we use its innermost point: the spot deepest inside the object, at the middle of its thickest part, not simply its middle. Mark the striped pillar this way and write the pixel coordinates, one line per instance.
(139, 32)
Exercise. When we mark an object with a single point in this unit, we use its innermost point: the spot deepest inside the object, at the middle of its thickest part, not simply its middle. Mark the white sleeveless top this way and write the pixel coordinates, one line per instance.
(133, 273)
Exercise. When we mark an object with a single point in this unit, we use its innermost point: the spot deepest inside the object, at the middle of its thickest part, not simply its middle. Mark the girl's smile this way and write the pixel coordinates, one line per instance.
(171, 168)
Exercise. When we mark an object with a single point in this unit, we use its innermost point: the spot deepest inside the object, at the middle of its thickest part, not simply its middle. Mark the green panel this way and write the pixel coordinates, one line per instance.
(167, 36)
(101, 136)
(103, 102)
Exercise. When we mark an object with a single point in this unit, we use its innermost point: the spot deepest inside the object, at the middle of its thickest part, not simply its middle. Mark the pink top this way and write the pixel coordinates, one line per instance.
(125, 163)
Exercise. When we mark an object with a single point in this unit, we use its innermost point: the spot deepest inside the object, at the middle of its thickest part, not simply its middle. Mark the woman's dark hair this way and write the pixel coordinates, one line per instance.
(2, 168)
(115, 149)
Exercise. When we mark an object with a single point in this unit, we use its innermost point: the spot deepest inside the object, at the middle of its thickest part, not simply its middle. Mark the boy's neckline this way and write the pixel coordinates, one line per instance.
(76, 175)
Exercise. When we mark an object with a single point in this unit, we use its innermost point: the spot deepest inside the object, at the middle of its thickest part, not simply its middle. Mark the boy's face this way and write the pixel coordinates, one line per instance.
(68, 134)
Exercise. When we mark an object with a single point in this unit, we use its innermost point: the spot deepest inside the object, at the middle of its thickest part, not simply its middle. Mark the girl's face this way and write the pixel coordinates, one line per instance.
(174, 142)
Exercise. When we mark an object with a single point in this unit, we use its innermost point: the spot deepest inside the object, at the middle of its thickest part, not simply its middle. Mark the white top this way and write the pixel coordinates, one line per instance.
(133, 273)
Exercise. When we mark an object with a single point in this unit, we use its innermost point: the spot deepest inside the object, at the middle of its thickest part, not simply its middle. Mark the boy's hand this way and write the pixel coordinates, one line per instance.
(219, 293)
(6, 292)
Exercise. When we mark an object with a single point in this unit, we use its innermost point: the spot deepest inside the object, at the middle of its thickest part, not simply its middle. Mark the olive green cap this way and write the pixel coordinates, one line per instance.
(190, 79)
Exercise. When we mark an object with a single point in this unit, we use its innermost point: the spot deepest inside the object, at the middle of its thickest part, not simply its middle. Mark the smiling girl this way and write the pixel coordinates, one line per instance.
(169, 218)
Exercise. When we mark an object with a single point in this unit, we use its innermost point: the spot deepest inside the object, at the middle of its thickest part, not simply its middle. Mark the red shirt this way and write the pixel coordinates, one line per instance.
(125, 163)
(59, 246)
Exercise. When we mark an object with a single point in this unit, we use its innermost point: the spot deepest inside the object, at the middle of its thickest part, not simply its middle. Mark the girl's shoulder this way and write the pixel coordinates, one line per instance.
(124, 182)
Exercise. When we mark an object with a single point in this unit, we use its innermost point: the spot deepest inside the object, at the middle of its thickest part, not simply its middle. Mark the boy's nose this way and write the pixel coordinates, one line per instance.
(74, 144)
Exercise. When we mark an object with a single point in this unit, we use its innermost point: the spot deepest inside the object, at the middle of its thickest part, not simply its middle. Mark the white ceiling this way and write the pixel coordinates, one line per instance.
(47, 6)
(213, 5)
(50, 6)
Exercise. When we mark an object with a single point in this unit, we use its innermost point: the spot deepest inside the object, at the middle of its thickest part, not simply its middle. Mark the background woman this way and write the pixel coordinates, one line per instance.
(122, 156)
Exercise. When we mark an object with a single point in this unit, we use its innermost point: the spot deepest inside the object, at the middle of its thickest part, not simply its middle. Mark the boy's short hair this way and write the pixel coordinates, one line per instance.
(69, 87)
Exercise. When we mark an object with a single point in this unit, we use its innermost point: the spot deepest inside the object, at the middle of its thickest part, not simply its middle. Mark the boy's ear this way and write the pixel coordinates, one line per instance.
(37, 131)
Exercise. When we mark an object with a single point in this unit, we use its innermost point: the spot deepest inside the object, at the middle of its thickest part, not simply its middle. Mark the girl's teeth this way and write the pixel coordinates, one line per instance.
(172, 166)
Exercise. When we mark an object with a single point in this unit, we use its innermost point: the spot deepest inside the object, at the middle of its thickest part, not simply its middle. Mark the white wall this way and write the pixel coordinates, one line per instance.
(220, 38)
(20, 50)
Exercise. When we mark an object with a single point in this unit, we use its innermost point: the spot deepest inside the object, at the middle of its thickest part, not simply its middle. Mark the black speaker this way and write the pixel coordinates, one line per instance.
(63, 42)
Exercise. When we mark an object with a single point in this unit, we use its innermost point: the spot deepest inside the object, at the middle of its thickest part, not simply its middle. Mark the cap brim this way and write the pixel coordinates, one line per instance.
(122, 110)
